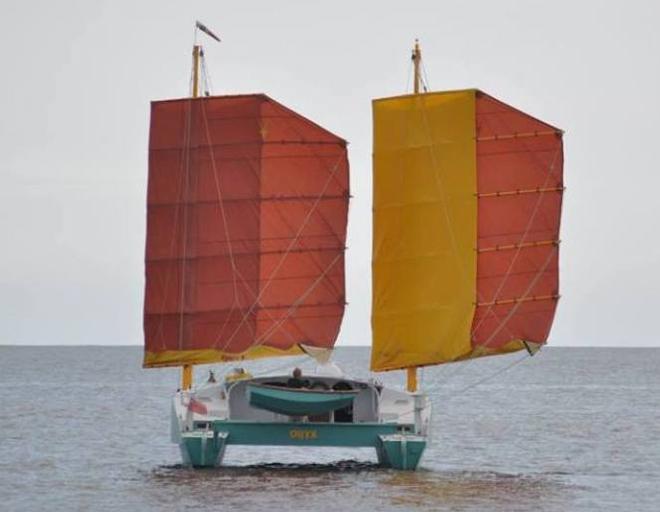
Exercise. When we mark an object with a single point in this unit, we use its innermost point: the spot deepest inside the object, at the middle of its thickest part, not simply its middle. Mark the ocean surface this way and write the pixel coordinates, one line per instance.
(86, 428)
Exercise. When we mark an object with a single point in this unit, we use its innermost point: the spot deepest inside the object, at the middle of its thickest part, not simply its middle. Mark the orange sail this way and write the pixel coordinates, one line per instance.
(467, 204)
(519, 189)
(246, 231)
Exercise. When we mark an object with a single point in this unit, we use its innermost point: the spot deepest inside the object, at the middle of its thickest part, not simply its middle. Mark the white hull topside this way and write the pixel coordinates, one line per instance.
(228, 400)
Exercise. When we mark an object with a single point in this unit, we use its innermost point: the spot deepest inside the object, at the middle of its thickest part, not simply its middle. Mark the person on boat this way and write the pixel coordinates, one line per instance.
(296, 380)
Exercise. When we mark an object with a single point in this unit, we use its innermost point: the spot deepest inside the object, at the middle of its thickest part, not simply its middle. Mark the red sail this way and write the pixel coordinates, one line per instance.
(519, 190)
(246, 231)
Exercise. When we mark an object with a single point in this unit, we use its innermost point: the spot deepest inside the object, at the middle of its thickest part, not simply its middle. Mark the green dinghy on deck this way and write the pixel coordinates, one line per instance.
(298, 401)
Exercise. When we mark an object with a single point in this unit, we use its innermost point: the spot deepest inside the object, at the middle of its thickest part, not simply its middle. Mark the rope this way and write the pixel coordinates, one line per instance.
(441, 189)
(206, 76)
(293, 307)
(425, 79)
(332, 172)
(410, 66)
(184, 144)
(493, 375)
(296, 362)
(288, 250)
(439, 183)
(541, 195)
(186, 152)
(222, 211)
(434, 400)
(235, 271)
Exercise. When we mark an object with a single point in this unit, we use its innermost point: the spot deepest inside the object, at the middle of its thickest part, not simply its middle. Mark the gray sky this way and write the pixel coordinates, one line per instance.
(74, 105)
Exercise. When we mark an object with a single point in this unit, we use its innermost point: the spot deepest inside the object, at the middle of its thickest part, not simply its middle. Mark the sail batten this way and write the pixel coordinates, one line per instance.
(246, 231)
(466, 232)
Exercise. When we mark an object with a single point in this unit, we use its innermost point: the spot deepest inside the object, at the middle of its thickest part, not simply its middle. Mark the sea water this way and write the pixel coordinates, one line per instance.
(570, 429)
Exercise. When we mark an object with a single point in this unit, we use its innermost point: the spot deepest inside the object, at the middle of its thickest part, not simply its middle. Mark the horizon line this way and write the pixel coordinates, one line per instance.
(124, 345)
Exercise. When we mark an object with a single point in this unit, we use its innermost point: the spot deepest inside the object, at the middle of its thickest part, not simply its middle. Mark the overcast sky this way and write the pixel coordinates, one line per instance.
(74, 114)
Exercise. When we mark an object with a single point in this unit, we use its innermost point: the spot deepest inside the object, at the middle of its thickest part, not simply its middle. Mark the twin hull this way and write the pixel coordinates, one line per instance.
(209, 418)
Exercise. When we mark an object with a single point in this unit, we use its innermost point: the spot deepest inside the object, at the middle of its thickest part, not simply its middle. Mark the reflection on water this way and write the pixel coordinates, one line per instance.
(347, 483)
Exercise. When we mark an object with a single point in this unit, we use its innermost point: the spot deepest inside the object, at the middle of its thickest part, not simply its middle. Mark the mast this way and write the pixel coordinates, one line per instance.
(417, 59)
(411, 371)
(197, 51)
(204, 316)
(187, 369)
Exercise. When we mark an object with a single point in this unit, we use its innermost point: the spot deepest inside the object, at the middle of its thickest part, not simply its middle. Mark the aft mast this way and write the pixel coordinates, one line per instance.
(411, 373)
(467, 205)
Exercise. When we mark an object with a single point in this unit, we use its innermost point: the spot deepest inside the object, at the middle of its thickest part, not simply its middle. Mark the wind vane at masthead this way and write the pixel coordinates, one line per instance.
(203, 28)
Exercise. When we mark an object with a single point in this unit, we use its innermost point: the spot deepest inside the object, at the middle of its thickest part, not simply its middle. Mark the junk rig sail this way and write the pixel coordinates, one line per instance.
(246, 231)
(467, 203)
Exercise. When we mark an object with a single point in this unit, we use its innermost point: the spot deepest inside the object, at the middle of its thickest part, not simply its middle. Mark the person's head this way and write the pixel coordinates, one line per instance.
(297, 373)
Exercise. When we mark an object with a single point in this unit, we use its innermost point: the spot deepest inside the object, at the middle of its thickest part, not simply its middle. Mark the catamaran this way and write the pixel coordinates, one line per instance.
(247, 212)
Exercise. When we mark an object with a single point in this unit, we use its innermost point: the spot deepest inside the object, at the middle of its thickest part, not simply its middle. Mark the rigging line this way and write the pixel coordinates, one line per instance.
(295, 305)
(298, 360)
(487, 378)
(332, 173)
(184, 145)
(187, 157)
(287, 333)
(310, 251)
(340, 159)
(168, 275)
(292, 309)
(332, 233)
(223, 215)
(218, 191)
(493, 375)
(253, 169)
(549, 173)
(441, 189)
(425, 78)
(208, 82)
(410, 66)
(508, 316)
(243, 280)
(291, 244)
(436, 399)
(551, 255)
(253, 295)
(235, 271)
(530, 222)
(310, 146)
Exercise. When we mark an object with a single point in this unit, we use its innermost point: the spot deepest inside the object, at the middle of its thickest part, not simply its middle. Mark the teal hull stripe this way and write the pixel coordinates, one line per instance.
(206, 448)
(306, 434)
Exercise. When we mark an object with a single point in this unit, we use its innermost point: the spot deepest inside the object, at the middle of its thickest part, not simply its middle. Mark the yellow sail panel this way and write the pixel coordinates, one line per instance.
(210, 356)
(424, 229)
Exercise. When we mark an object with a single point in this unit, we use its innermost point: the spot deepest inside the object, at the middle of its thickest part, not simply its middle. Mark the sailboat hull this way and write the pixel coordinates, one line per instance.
(396, 445)
(208, 420)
